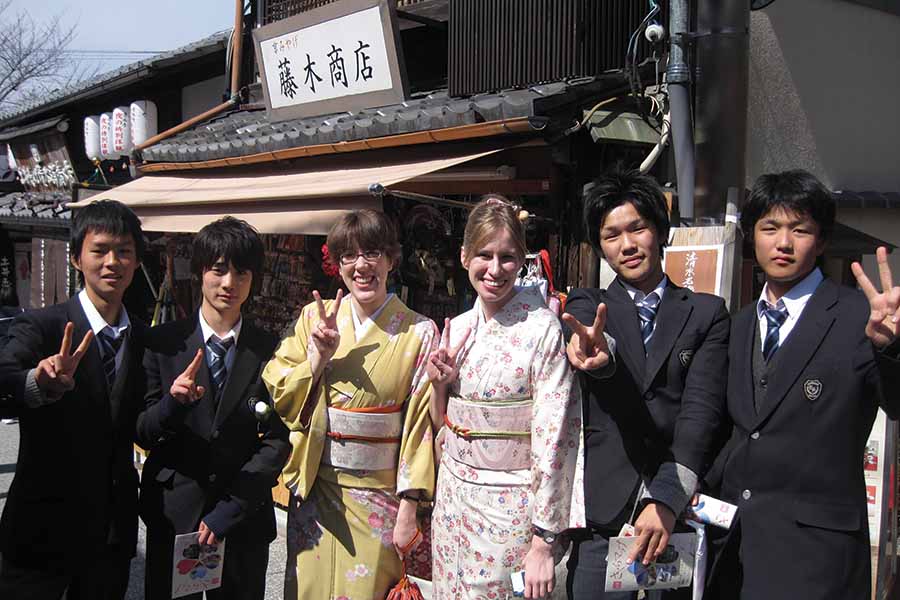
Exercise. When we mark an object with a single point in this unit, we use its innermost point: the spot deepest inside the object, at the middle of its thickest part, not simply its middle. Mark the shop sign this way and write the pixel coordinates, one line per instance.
(58, 175)
(343, 56)
(698, 268)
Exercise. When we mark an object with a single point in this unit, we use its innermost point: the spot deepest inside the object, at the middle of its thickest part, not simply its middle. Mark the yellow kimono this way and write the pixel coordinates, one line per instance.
(359, 437)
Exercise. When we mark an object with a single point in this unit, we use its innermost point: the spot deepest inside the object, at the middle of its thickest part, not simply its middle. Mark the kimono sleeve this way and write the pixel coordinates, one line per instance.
(556, 438)
(288, 376)
(416, 468)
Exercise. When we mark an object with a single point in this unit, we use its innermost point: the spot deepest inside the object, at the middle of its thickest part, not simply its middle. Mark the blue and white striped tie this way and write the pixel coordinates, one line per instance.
(647, 312)
(217, 369)
(109, 345)
(775, 318)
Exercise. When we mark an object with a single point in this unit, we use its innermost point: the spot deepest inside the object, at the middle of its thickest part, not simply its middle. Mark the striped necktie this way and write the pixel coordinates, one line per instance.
(646, 308)
(110, 344)
(775, 318)
(217, 369)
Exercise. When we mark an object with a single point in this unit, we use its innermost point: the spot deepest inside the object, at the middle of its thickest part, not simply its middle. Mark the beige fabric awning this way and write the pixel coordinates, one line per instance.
(302, 203)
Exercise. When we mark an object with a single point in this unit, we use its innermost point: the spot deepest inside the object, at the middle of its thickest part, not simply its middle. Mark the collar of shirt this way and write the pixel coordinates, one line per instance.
(97, 322)
(361, 327)
(208, 332)
(637, 295)
(795, 299)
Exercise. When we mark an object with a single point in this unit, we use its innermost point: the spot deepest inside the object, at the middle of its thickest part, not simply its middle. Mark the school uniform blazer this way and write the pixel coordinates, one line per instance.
(75, 487)
(667, 406)
(208, 462)
(795, 466)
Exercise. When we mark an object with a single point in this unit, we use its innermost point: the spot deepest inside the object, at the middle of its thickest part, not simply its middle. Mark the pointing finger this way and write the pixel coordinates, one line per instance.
(82, 348)
(337, 304)
(863, 280)
(194, 366)
(319, 305)
(574, 324)
(884, 269)
(462, 342)
(66, 345)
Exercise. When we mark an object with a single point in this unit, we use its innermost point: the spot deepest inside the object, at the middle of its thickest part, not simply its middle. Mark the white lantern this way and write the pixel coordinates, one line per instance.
(106, 150)
(121, 130)
(92, 136)
(143, 121)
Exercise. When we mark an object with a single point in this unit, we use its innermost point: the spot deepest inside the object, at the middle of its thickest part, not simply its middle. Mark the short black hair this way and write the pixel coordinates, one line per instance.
(105, 216)
(796, 191)
(614, 189)
(233, 240)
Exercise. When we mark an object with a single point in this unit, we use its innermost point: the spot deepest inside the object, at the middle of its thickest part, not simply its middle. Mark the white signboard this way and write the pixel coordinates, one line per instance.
(339, 57)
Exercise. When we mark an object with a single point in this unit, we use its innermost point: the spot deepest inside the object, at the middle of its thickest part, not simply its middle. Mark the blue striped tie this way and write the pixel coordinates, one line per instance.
(217, 369)
(647, 312)
(109, 344)
(775, 318)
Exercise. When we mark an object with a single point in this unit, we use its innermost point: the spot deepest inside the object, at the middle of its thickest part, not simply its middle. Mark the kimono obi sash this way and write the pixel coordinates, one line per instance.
(489, 434)
(363, 438)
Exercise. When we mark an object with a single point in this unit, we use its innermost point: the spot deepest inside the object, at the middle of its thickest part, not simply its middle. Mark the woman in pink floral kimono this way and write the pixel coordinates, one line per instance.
(510, 478)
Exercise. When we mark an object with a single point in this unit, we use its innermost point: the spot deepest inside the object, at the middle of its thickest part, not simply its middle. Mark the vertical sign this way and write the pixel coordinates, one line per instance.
(698, 268)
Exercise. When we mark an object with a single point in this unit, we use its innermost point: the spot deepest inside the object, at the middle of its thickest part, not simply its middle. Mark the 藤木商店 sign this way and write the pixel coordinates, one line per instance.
(343, 56)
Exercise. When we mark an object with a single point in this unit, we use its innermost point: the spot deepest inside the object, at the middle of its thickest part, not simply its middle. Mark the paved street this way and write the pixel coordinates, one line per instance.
(9, 448)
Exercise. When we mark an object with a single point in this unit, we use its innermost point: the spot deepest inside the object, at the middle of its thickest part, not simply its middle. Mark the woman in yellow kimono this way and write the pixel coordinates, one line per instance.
(350, 384)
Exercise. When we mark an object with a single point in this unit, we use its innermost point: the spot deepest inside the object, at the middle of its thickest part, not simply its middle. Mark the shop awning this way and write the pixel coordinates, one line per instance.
(302, 203)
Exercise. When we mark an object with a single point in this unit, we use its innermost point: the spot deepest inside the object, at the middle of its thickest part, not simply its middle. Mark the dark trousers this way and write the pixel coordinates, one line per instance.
(243, 571)
(105, 578)
(587, 571)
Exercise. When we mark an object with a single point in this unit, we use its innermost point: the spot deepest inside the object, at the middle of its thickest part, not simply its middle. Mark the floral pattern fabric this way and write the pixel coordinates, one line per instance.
(482, 518)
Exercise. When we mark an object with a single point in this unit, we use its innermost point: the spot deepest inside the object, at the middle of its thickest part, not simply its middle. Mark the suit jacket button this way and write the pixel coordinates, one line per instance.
(215, 434)
(212, 478)
(746, 494)
(764, 381)
(648, 395)
(754, 435)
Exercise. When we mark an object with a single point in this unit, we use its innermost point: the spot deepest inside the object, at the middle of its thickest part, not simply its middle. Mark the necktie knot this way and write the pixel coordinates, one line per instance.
(109, 346)
(775, 318)
(219, 349)
(646, 308)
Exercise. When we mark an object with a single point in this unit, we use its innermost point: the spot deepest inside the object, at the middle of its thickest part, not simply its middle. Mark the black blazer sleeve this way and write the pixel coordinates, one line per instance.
(703, 409)
(161, 414)
(26, 346)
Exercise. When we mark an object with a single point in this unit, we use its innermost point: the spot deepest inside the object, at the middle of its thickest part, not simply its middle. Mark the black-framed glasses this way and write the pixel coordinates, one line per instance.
(369, 256)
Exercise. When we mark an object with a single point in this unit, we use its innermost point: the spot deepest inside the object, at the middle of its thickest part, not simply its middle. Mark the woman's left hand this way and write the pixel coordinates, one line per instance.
(539, 569)
(406, 528)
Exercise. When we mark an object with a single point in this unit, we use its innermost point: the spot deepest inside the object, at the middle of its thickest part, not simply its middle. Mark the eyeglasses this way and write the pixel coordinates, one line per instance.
(369, 256)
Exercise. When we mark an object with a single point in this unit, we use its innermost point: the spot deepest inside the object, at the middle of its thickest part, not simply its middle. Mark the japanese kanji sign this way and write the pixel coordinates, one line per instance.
(340, 57)
(698, 268)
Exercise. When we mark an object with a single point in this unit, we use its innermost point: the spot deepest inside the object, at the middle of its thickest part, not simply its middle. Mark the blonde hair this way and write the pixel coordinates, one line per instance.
(494, 212)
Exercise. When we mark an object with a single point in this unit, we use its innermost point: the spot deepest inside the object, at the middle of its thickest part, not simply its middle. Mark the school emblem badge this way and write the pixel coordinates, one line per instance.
(685, 357)
(813, 389)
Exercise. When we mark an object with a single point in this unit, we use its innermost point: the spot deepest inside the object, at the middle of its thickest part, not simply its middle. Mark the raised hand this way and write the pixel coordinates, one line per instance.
(587, 349)
(185, 389)
(442, 368)
(884, 316)
(325, 337)
(55, 375)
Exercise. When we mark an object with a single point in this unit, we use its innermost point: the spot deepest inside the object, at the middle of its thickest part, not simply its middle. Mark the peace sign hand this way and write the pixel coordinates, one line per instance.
(55, 375)
(587, 349)
(442, 368)
(884, 318)
(185, 389)
(325, 337)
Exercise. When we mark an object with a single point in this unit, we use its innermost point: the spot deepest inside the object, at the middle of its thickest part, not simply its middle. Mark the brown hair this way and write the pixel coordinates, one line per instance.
(364, 229)
(493, 212)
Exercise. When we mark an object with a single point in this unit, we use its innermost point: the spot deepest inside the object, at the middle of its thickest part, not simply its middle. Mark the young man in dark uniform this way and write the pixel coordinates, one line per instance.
(72, 375)
(810, 362)
(214, 453)
(654, 401)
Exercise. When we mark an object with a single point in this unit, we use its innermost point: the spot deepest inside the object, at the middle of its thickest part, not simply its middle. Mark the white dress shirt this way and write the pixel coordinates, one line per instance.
(794, 301)
(208, 332)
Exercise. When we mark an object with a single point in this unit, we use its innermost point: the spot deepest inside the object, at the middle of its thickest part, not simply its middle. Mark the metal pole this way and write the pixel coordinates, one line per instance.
(678, 78)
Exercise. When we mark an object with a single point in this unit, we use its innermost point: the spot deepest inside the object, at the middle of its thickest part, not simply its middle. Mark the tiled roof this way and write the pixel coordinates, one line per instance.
(208, 44)
(849, 199)
(243, 133)
(48, 207)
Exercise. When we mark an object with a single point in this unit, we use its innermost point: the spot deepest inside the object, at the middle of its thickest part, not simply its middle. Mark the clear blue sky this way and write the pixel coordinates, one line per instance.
(131, 25)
